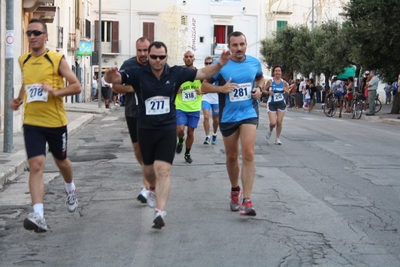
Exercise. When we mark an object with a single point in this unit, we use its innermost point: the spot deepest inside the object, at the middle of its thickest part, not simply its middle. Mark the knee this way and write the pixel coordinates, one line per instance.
(36, 165)
(232, 157)
(248, 155)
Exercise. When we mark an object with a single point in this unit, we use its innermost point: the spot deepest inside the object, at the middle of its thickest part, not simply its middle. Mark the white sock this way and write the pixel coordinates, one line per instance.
(214, 134)
(69, 187)
(208, 136)
(38, 208)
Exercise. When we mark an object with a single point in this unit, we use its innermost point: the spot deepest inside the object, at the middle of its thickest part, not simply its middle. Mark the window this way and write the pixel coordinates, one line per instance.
(148, 30)
(109, 36)
(221, 33)
(280, 24)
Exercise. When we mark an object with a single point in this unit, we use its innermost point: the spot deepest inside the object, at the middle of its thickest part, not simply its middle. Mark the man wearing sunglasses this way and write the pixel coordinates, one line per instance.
(239, 87)
(131, 105)
(45, 119)
(188, 105)
(156, 86)
(210, 103)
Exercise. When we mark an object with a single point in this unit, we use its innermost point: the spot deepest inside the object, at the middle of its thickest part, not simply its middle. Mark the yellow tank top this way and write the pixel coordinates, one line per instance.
(36, 70)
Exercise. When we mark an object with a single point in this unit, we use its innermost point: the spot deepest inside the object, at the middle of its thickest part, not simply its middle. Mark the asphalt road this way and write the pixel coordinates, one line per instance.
(329, 196)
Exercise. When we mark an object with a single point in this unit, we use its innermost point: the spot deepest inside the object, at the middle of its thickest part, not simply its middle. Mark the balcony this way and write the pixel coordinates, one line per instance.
(73, 43)
(41, 9)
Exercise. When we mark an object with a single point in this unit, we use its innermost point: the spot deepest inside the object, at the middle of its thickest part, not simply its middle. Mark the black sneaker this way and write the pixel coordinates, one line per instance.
(159, 219)
(188, 159)
(179, 147)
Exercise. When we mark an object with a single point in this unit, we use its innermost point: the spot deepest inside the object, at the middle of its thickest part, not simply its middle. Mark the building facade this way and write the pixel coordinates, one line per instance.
(199, 25)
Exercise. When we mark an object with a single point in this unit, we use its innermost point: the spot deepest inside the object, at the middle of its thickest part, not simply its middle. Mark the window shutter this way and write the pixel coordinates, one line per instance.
(96, 35)
(115, 37)
(148, 30)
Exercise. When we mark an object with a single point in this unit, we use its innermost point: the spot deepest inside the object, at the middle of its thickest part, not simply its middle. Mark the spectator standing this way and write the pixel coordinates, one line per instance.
(94, 88)
(372, 87)
(106, 91)
(388, 93)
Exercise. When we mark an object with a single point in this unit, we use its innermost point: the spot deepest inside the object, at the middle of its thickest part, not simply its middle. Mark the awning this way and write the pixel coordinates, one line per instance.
(348, 72)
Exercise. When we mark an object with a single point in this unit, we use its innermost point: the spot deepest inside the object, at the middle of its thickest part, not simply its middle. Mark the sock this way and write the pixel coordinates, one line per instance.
(152, 188)
(69, 187)
(38, 208)
(236, 188)
(187, 151)
(181, 140)
(214, 134)
(207, 136)
(246, 200)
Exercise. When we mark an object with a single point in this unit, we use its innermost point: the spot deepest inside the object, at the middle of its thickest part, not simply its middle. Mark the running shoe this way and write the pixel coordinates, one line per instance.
(179, 147)
(151, 199)
(207, 141)
(247, 208)
(235, 200)
(278, 141)
(159, 219)
(35, 222)
(268, 136)
(214, 140)
(71, 202)
(142, 197)
(188, 159)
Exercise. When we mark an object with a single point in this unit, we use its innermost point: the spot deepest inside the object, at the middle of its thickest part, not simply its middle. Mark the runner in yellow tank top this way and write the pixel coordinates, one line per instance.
(45, 120)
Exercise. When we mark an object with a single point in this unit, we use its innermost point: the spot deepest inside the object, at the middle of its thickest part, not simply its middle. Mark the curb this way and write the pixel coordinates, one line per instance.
(16, 166)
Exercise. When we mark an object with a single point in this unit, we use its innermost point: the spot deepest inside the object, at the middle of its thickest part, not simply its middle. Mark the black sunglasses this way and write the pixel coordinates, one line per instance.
(160, 57)
(207, 63)
(34, 32)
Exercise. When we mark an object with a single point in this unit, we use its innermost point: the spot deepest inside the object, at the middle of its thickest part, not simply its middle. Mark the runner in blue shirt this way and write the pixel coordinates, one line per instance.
(276, 88)
(239, 87)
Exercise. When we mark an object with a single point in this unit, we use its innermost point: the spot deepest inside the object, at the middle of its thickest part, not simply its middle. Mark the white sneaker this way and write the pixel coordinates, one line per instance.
(268, 134)
(116, 104)
(151, 199)
(278, 141)
(35, 222)
(159, 219)
(71, 202)
(143, 195)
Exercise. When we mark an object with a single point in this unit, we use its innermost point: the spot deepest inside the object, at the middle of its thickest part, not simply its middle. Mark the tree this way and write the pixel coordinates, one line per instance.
(374, 28)
(280, 50)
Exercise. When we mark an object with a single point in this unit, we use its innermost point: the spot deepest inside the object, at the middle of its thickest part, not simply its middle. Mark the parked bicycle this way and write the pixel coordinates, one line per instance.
(378, 104)
(330, 106)
(357, 106)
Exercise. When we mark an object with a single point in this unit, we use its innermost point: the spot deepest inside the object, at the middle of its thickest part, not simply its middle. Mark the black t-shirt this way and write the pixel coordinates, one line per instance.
(130, 99)
(156, 109)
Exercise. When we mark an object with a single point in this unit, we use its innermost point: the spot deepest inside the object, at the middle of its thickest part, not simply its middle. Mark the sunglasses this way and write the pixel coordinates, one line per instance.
(34, 32)
(207, 63)
(160, 57)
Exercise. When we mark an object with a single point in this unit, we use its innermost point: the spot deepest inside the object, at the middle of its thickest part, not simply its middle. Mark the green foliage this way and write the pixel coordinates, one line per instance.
(374, 28)
(298, 49)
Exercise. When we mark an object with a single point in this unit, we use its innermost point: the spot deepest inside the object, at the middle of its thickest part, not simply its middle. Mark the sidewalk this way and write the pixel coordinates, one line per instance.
(13, 164)
(383, 115)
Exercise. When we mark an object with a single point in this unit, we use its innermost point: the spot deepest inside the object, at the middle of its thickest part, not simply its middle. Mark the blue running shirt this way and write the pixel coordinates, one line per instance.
(238, 105)
(279, 93)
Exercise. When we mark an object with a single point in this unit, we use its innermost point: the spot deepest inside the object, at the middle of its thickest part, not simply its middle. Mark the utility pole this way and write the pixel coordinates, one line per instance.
(9, 78)
(312, 23)
(99, 56)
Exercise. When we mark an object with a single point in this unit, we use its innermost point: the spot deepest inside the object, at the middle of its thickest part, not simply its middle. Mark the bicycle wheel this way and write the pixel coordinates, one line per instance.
(353, 110)
(378, 105)
(358, 110)
(334, 107)
(327, 110)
